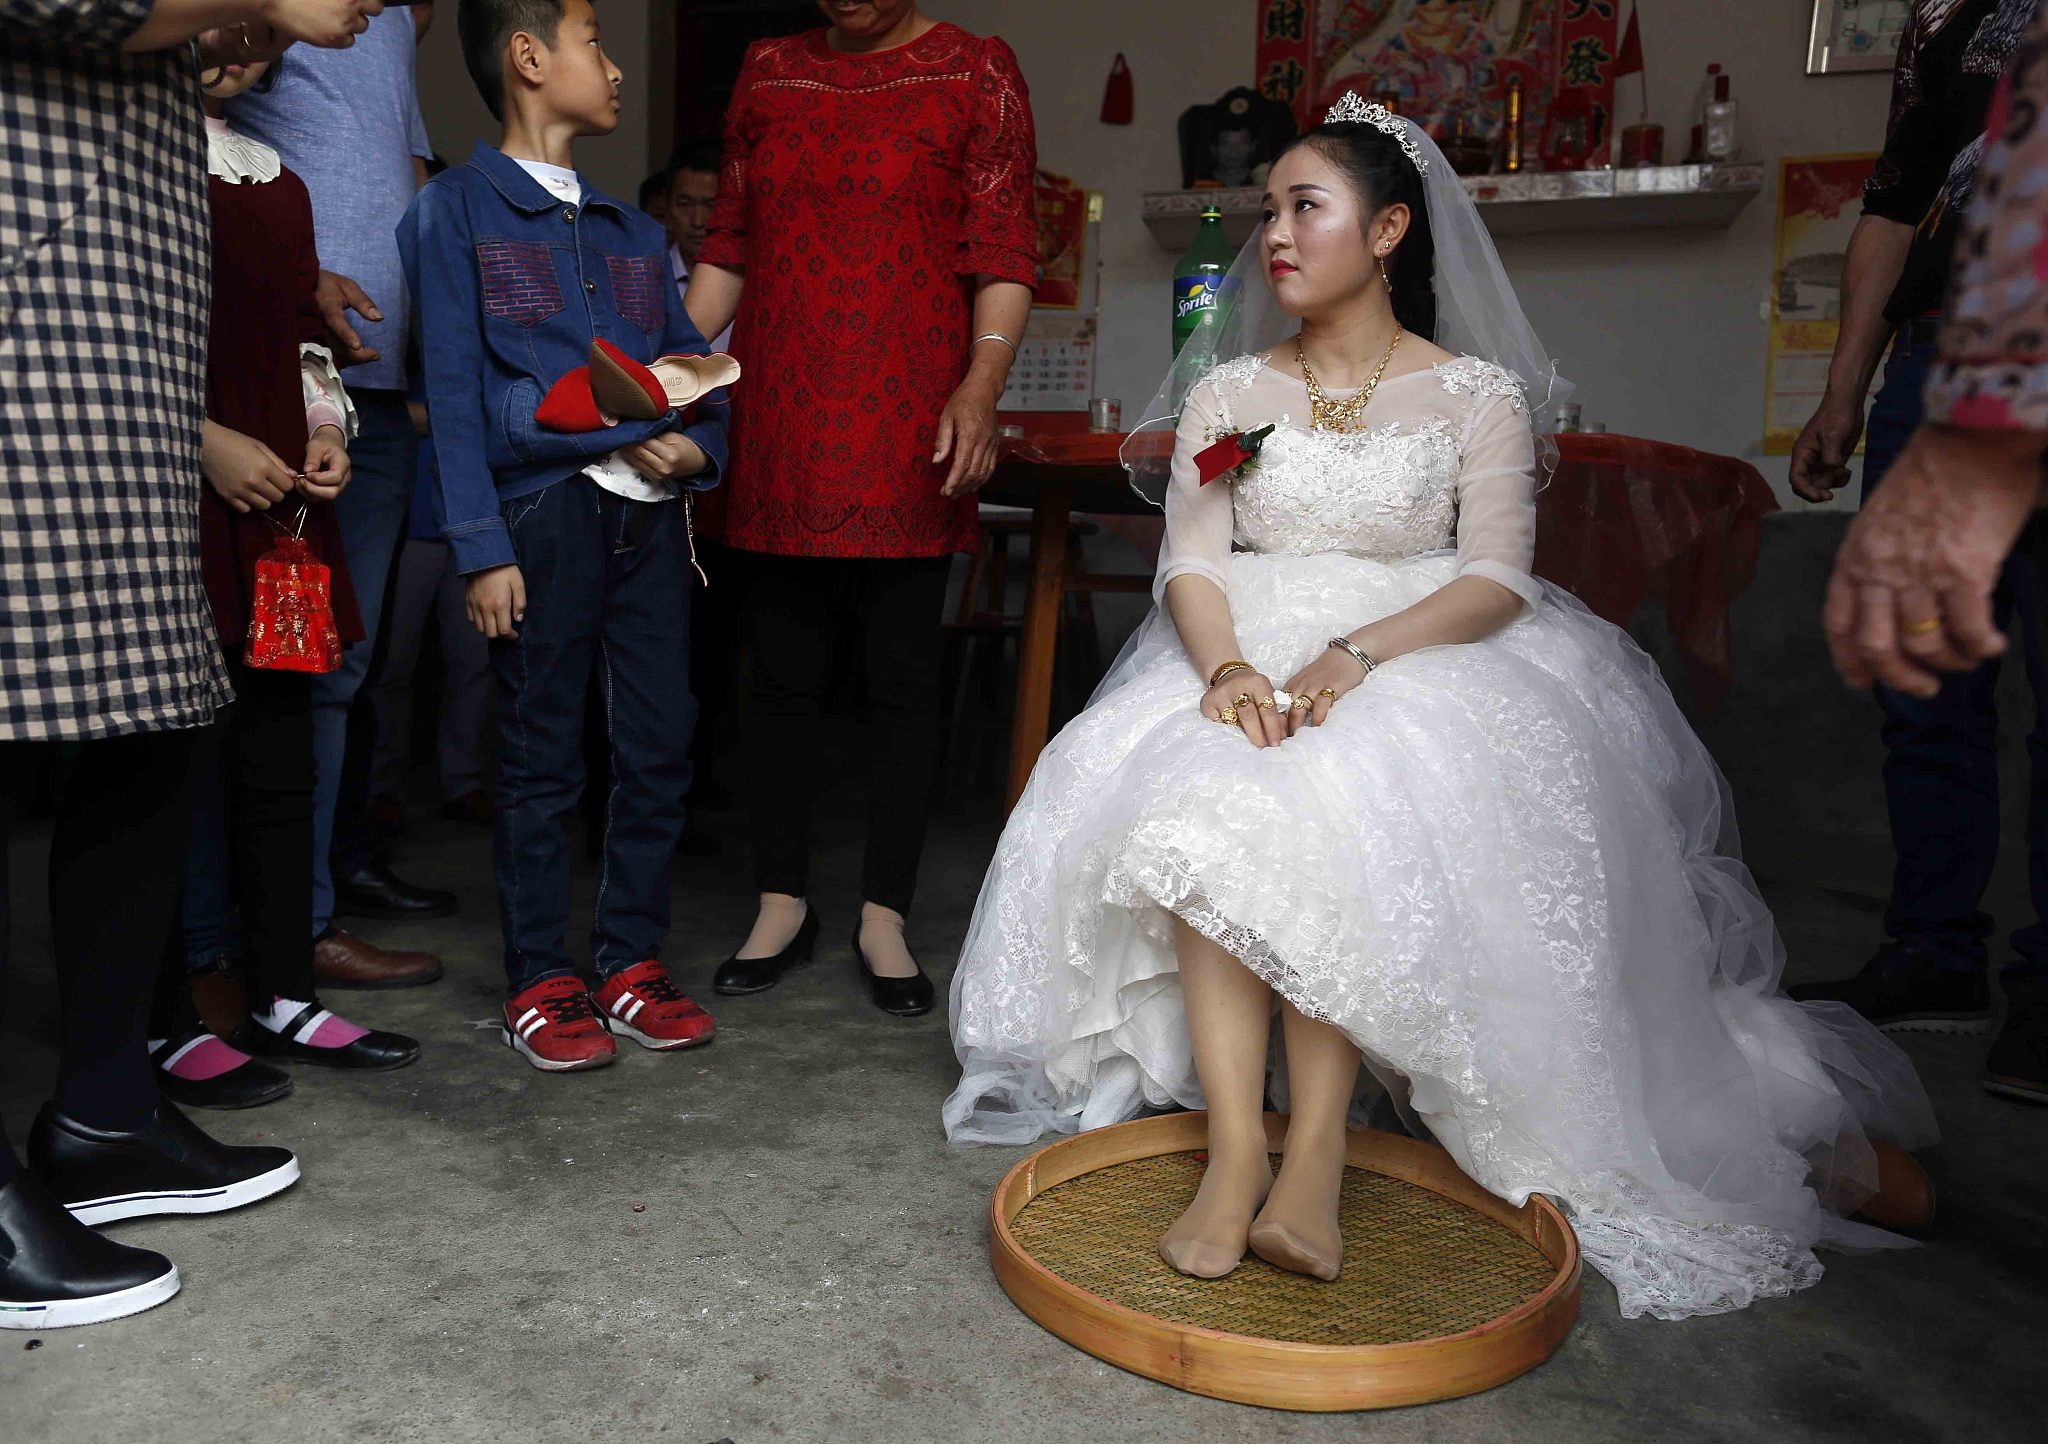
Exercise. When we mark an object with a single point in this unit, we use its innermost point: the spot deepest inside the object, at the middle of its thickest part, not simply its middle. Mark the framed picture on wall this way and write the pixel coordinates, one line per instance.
(1445, 64)
(1855, 35)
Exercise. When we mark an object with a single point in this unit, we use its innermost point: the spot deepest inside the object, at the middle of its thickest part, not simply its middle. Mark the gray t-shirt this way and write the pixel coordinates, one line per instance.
(348, 121)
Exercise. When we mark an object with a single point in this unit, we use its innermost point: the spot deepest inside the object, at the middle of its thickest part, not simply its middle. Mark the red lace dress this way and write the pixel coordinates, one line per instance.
(861, 195)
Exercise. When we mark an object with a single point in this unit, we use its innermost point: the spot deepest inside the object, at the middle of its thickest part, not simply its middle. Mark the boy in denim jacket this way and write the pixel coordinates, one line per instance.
(575, 548)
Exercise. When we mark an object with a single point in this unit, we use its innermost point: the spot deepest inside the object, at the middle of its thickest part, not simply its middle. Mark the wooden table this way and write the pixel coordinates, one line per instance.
(1622, 520)
(1053, 477)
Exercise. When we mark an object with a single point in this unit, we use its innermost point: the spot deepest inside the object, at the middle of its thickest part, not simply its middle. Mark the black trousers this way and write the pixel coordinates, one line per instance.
(122, 824)
(794, 613)
(246, 860)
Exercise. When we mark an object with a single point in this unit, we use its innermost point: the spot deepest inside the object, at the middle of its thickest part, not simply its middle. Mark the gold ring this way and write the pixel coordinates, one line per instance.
(1243, 699)
(1924, 627)
(1267, 705)
(1228, 716)
(1328, 693)
(1303, 703)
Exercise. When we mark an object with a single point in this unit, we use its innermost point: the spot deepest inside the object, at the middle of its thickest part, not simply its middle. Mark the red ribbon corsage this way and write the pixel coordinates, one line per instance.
(1239, 449)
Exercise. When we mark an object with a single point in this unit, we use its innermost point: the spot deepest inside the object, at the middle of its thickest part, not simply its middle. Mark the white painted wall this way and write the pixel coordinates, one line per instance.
(1663, 331)
(457, 120)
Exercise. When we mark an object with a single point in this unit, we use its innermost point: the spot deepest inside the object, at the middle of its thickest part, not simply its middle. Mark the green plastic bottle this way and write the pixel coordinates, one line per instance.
(1198, 298)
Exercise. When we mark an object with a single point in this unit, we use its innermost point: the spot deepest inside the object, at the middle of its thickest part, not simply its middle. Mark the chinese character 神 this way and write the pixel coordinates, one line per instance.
(1283, 80)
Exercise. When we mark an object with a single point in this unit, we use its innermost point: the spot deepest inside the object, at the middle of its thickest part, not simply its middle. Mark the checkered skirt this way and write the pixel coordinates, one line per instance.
(104, 628)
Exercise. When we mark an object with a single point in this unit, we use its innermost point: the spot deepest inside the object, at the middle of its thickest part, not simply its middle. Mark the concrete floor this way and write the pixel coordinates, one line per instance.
(770, 1239)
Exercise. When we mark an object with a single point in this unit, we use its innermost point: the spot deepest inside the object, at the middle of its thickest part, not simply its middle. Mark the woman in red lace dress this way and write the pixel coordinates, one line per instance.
(875, 238)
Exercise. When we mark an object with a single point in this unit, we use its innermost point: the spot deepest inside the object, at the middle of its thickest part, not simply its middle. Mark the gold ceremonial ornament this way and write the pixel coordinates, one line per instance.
(1267, 705)
(1924, 627)
(1227, 716)
(1329, 692)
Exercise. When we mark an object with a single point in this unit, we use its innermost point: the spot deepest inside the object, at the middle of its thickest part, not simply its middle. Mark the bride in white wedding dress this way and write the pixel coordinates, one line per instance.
(1470, 840)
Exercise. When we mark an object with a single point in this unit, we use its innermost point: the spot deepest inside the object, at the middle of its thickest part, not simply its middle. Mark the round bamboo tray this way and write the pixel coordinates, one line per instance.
(1446, 1290)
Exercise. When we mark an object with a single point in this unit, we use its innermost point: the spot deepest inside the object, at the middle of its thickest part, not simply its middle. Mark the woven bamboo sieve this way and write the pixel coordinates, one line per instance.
(1446, 1290)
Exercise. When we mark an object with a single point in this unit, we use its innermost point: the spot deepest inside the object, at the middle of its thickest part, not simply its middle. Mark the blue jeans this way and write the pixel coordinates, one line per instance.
(372, 513)
(1941, 754)
(207, 900)
(607, 588)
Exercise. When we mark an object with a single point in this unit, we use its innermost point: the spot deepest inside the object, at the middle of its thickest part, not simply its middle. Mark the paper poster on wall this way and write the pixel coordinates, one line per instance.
(1439, 61)
(1055, 369)
(1819, 201)
(1064, 213)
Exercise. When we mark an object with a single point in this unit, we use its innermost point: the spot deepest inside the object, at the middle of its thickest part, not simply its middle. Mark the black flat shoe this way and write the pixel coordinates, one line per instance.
(250, 1085)
(904, 997)
(56, 1272)
(166, 1166)
(736, 976)
(374, 1052)
(374, 891)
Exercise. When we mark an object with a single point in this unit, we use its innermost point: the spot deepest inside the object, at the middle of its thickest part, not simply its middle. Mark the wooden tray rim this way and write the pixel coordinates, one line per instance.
(1466, 1357)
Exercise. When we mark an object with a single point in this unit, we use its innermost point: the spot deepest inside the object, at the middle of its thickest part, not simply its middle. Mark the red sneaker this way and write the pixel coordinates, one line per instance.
(555, 1025)
(644, 1003)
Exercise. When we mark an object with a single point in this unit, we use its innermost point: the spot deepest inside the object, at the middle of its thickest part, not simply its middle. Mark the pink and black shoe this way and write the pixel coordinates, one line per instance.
(198, 1070)
(306, 1032)
(644, 1003)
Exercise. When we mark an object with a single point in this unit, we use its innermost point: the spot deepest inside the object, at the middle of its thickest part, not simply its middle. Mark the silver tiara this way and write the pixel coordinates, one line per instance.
(1353, 110)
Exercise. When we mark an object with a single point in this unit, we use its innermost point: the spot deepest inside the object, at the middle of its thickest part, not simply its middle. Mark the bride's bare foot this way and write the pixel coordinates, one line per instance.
(1208, 1241)
(1298, 1228)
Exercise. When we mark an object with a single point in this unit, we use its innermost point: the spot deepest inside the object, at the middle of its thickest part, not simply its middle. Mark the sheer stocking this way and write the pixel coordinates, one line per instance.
(1298, 1228)
(881, 942)
(775, 925)
(1229, 1014)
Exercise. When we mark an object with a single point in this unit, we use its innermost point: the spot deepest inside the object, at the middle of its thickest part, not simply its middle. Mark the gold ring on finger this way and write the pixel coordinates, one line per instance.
(1303, 703)
(1267, 705)
(1924, 627)
(1242, 699)
(1228, 716)
(1328, 694)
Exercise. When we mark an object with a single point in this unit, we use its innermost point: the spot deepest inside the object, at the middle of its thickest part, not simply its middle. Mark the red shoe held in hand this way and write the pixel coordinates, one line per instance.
(615, 387)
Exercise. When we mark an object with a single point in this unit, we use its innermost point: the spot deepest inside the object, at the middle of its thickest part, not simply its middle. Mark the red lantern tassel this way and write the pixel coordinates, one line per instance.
(1119, 101)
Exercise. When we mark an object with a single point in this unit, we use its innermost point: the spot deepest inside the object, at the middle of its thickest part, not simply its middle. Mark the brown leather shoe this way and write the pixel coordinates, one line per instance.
(343, 960)
(221, 995)
(1904, 1200)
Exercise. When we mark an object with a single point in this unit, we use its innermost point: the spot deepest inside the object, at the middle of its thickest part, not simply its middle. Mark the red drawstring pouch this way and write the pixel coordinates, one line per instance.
(1119, 104)
(291, 621)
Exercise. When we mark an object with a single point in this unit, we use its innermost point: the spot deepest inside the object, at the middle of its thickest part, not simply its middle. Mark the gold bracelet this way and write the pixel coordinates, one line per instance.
(1236, 664)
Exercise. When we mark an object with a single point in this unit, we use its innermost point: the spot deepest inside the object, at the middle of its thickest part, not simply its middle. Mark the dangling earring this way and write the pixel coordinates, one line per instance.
(1386, 279)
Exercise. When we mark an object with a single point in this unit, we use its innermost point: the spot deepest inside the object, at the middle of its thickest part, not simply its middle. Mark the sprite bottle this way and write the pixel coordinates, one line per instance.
(1198, 280)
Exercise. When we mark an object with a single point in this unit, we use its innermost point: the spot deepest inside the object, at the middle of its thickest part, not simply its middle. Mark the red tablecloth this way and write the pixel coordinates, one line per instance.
(1623, 520)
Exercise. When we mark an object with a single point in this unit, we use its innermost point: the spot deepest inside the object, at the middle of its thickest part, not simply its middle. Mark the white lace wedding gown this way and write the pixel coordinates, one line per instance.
(1507, 870)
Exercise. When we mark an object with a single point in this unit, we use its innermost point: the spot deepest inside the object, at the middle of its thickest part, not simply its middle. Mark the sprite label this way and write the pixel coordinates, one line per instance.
(1200, 281)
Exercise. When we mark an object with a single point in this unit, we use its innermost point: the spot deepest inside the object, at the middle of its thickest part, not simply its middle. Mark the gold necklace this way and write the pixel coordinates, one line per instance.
(1328, 415)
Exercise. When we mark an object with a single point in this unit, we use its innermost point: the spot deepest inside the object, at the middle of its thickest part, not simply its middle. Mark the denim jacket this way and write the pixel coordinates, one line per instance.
(510, 285)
